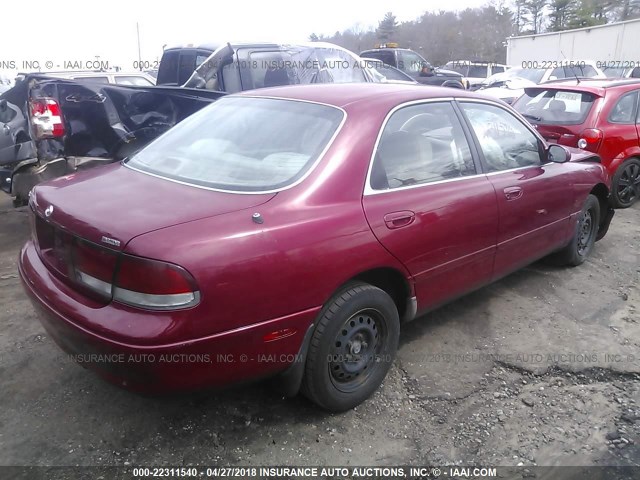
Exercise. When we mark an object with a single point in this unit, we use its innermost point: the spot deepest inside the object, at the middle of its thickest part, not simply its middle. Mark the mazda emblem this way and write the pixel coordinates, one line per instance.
(48, 211)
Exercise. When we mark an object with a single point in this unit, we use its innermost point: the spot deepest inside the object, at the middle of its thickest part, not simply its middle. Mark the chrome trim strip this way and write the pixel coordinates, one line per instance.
(262, 192)
(490, 174)
(409, 187)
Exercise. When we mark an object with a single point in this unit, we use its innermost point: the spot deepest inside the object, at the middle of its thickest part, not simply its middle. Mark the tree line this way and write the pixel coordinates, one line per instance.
(481, 33)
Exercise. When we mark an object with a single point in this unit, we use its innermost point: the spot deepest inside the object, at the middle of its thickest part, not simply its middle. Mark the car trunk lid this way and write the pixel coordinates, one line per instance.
(119, 203)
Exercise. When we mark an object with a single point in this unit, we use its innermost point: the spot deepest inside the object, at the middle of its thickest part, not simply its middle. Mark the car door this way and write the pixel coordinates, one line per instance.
(428, 204)
(535, 197)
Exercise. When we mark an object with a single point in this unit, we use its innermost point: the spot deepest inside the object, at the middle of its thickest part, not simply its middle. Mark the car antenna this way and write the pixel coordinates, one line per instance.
(571, 67)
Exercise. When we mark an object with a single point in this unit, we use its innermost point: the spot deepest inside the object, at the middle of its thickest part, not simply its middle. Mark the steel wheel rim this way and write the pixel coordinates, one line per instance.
(585, 232)
(354, 353)
(629, 184)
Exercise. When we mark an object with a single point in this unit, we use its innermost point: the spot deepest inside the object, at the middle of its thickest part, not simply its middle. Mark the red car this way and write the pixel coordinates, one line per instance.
(598, 115)
(289, 231)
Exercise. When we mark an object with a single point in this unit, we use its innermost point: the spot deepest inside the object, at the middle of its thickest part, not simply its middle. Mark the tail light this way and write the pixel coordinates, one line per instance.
(153, 284)
(93, 267)
(590, 139)
(110, 275)
(46, 118)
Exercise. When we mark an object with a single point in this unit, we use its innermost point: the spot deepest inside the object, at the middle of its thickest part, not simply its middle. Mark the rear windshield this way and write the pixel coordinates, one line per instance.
(243, 144)
(555, 107)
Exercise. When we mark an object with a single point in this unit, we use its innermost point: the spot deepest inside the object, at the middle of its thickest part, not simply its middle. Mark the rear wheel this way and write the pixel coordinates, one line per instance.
(352, 347)
(584, 237)
(626, 184)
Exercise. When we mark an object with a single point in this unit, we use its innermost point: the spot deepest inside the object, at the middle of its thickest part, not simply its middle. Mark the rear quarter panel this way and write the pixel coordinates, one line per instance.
(314, 238)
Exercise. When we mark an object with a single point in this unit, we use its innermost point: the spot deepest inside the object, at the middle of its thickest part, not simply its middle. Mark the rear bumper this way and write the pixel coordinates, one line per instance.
(218, 360)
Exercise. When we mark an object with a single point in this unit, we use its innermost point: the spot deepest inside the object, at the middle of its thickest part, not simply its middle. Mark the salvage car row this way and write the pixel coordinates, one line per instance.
(301, 224)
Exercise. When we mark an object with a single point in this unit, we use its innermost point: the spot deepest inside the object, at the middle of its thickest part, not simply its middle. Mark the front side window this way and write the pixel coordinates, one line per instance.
(410, 62)
(624, 110)
(385, 56)
(421, 144)
(243, 144)
(505, 141)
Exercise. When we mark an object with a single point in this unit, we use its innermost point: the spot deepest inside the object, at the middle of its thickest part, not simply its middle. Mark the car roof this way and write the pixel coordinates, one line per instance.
(592, 85)
(383, 95)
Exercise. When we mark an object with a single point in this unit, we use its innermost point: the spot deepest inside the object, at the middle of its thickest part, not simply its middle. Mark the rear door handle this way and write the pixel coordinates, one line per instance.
(513, 193)
(399, 219)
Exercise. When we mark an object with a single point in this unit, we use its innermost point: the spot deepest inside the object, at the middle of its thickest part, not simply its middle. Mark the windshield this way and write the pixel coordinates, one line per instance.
(243, 144)
(614, 72)
(284, 65)
(555, 107)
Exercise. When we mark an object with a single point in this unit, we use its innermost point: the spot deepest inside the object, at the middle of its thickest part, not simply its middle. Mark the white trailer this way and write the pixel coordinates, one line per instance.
(614, 42)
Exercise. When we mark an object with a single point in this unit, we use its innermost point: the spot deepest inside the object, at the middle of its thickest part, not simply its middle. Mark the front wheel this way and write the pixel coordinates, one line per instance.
(626, 184)
(352, 348)
(584, 236)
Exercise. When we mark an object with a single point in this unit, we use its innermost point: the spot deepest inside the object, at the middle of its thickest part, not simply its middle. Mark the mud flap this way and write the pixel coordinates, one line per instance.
(604, 224)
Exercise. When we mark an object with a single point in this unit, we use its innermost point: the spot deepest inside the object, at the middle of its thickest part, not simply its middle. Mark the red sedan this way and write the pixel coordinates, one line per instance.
(290, 231)
(601, 116)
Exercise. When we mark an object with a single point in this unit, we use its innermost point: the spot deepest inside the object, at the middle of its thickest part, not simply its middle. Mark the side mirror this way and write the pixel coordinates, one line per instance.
(558, 154)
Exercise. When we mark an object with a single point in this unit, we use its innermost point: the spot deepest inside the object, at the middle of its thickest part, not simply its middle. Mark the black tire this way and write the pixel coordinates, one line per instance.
(584, 237)
(352, 347)
(626, 184)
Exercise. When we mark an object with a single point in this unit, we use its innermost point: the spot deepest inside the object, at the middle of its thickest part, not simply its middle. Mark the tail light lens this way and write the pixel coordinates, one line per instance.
(46, 118)
(152, 284)
(94, 267)
(590, 139)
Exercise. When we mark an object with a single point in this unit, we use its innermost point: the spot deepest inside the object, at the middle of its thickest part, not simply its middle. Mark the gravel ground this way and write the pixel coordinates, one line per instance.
(541, 368)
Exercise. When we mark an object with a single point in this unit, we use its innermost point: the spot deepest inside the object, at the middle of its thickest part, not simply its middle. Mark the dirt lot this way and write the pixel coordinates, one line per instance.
(540, 368)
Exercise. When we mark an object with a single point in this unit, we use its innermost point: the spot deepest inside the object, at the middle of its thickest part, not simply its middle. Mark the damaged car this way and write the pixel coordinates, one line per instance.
(288, 231)
(52, 127)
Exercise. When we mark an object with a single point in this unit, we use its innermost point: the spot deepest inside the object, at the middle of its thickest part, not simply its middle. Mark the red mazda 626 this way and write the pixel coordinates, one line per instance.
(290, 231)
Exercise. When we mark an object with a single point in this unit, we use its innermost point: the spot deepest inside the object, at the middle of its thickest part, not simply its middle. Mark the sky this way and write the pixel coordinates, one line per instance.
(75, 32)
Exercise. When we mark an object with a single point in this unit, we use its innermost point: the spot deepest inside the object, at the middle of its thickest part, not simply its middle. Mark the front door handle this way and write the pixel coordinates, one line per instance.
(399, 219)
(513, 193)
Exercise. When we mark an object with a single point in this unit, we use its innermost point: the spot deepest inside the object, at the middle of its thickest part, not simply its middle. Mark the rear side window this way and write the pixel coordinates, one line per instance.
(555, 107)
(384, 55)
(186, 67)
(625, 109)
(421, 144)
(497, 69)
(168, 70)
(478, 71)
